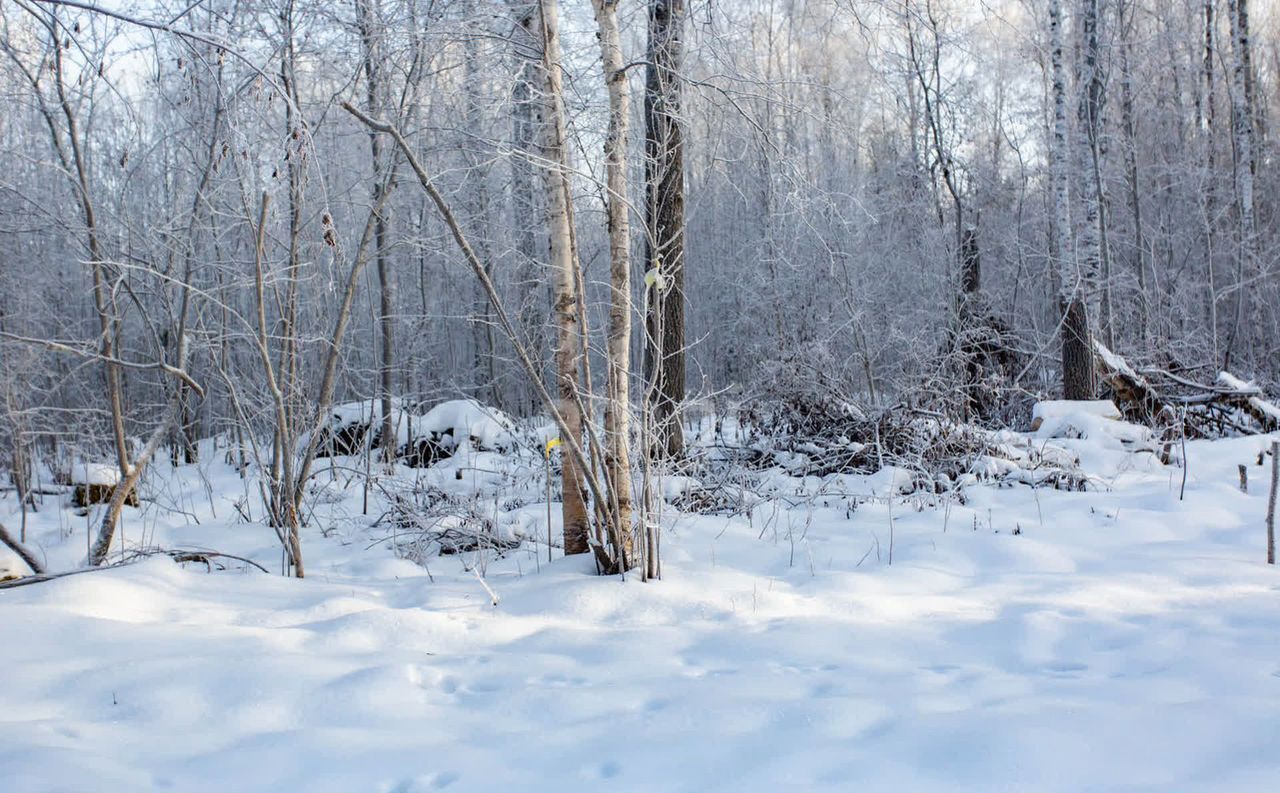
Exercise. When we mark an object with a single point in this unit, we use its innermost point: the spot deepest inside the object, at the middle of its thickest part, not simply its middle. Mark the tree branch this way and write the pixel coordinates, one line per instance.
(60, 347)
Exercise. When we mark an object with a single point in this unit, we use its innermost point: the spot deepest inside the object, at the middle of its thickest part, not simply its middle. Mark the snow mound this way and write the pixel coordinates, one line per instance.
(420, 439)
(891, 481)
(101, 474)
(1094, 420)
(487, 429)
(353, 426)
(364, 410)
(1059, 409)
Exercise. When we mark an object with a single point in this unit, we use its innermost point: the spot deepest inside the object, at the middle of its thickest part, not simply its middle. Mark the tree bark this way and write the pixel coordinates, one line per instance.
(367, 16)
(664, 219)
(567, 301)
(1077, 358)
(24, 553)
(1242, 129)
(526, 143)
(1093, 254)
(617, 416)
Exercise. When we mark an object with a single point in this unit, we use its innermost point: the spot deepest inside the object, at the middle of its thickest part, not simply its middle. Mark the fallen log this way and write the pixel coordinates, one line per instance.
(1163, 399)
(21, 550)
(1134, 394)
(1249, 398)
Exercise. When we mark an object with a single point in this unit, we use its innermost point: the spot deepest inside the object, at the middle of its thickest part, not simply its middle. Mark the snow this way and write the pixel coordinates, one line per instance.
(1116, 363)
(891, 481)
(369, 411)
(1236, 384)
(1259, 404)
(466, 419)
(453, 422)
(1098, 420)
(1119, 638)
(1051, 409)
(86, 473)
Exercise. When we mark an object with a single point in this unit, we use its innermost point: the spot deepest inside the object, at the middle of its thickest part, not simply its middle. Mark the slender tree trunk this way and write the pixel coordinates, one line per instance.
(567, 302)
(1094, 255)
(617, 416)
(484, 342)
(526, 143)
(1126, 14)
(294, 144)
(367, 14)
(1210, 175)
(280, 478)
(185, 433)
(664, 218)
(1077, 361)
(104, 302)
(287, 501)
(1242, 129)
(969, 316)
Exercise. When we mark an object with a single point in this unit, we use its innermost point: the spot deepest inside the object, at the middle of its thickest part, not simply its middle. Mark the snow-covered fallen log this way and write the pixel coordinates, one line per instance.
(1162, 399)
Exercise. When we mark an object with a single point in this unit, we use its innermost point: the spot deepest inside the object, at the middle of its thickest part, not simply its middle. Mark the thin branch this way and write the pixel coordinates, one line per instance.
(60, 347)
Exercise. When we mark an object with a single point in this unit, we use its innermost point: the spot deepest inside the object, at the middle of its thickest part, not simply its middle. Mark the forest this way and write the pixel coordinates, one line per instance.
(694, 394)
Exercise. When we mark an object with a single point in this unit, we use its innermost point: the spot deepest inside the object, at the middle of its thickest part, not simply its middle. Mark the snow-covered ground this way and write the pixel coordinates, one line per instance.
(1028, 640)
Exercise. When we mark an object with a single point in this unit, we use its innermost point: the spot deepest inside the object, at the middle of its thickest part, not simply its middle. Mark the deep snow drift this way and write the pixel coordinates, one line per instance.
(1114, 639)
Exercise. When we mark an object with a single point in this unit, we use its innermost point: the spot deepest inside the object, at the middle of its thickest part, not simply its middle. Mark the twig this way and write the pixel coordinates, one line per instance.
(493, 596)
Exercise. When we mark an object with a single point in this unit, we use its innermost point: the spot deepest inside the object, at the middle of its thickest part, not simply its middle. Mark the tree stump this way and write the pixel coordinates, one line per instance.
(87, 494)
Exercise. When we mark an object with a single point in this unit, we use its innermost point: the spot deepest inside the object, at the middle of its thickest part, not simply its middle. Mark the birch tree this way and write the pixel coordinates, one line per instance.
(563, 261)
(617, 417)
(1077, 354)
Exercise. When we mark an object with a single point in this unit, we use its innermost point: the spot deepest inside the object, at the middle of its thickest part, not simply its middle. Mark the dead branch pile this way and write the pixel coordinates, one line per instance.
(426, 521)
(1161, 398)
(819, 437)
(976, 370)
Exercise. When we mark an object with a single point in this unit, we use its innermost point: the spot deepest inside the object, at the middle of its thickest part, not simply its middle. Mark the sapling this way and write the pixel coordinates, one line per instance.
(1271, 502)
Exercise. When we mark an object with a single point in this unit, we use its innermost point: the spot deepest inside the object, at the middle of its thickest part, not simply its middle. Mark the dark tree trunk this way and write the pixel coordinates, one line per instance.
(1077, 353)
(970, 265)
(970, 317)
(367, 14)
(664, 219)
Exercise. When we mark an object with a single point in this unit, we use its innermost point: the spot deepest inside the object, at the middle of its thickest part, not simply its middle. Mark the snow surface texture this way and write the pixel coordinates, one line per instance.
(1050, 409)
(1118, 639)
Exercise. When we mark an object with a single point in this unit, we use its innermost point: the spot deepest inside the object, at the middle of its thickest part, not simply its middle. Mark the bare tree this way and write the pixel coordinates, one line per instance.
(367, 13)
(618, 212)
(665, 224)
(1077, 353)
(1242, 131)
(563, 269)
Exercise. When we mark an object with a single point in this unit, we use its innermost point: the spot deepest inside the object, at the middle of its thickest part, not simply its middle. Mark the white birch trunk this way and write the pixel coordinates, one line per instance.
(567, 305)
(618, 404)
